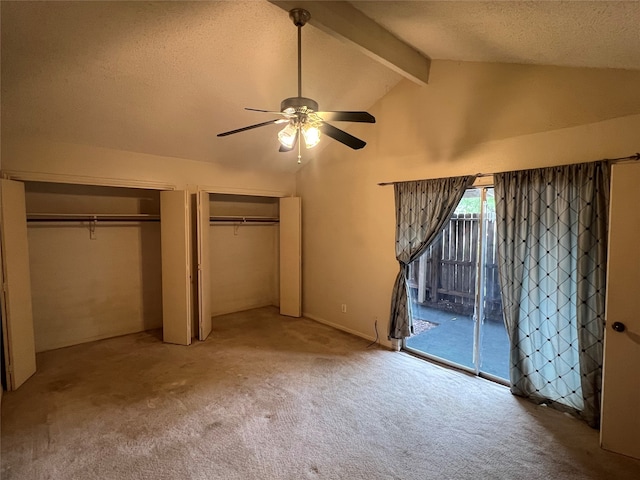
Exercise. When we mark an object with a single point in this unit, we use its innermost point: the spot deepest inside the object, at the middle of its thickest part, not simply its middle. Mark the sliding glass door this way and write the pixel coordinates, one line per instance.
(455, 293)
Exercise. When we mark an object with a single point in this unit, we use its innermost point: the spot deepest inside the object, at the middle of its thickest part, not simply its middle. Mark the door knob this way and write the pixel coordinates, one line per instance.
(618, 326)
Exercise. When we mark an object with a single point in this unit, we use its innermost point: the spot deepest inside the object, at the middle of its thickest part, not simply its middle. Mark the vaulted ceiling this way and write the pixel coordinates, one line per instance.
(164, 78)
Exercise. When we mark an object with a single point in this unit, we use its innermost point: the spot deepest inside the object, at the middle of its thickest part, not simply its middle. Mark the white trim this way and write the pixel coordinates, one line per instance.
(242, 309)
(84, 180)
(243, 191)
(339, 327)
(484, 181)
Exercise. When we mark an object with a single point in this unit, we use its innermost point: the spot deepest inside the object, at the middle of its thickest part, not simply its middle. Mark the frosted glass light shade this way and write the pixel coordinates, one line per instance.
(287, 135)
(311, 135)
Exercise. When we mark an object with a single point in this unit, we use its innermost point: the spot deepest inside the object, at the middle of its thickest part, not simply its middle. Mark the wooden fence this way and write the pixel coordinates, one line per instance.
(445, 277)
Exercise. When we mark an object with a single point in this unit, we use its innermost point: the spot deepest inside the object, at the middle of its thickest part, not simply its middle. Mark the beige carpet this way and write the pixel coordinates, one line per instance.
(270, 397)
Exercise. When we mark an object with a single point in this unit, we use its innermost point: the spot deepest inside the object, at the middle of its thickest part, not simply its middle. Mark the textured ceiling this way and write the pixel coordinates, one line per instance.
(164, 77)
(596, 34)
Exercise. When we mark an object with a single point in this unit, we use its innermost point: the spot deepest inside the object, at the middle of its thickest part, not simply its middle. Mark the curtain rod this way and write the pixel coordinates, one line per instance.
(619, 159)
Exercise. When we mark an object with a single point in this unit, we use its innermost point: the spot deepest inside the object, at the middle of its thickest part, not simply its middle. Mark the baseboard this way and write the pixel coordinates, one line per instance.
(356, 333)
(243, 308)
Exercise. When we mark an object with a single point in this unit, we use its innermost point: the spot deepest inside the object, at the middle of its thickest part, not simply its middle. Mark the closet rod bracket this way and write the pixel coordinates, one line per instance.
(92, 228)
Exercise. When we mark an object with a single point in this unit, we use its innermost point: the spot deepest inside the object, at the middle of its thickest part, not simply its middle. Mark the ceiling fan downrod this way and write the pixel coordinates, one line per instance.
(302, 115)
(300, 17)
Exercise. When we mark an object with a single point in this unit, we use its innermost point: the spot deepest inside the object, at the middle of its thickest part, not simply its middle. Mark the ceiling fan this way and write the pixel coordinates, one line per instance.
(301, 115)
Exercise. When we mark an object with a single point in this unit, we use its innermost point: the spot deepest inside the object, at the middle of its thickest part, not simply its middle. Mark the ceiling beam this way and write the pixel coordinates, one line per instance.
(345, 22)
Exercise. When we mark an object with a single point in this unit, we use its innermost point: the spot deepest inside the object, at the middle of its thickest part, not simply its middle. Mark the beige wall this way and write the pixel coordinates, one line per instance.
(244, 258)
(42, 159)
(84, 289)
(244, 269)
(471, 118)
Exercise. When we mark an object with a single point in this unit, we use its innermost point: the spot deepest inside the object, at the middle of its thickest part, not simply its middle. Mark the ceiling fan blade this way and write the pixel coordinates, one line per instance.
(341, 136)
(347, 117)
(263, 111)
(250, 127)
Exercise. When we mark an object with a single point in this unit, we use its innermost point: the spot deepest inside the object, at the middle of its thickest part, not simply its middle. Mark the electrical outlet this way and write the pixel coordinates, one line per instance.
(343, 308)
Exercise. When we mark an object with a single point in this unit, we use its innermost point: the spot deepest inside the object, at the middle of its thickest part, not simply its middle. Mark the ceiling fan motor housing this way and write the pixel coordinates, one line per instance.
(299, 104)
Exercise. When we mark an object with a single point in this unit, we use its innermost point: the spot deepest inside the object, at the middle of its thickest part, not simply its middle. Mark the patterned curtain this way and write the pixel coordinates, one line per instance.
(422, 209)
(552, 247)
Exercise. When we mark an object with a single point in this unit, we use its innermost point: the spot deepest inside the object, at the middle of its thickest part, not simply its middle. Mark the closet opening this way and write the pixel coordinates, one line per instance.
(244, 252)
(95, 262)
(248, 255)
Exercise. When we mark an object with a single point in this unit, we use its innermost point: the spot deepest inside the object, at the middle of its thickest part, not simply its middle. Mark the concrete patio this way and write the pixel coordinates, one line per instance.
(450, 336)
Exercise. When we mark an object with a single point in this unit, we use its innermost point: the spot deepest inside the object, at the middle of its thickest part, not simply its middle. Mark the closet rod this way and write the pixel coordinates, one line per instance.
(87, 217)
(243, 219)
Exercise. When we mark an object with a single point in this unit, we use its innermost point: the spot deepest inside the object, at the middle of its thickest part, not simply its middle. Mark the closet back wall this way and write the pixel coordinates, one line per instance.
(86, 288)
(244, 257)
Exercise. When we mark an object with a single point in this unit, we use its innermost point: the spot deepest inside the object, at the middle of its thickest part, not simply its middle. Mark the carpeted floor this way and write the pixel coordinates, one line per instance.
(270, 397)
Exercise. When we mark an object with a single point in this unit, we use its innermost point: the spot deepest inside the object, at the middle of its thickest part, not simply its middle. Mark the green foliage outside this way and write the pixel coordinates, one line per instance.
(472, 205)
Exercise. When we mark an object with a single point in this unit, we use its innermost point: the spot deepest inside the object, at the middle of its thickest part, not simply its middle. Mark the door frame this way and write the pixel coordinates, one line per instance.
(478, 303)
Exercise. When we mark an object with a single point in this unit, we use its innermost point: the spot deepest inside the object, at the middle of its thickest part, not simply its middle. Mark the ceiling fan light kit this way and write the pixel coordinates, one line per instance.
(288, 136)
(301, 114)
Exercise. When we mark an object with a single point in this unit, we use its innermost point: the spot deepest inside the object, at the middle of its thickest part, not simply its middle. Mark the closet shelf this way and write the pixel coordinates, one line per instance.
(89, 217)
(242, 219)
(138, 217)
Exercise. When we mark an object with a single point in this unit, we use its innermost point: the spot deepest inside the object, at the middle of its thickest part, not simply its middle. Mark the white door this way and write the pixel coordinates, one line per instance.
(17, 318)
(176, 267)
(290, 257)
(620, 423)
(204, 266)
